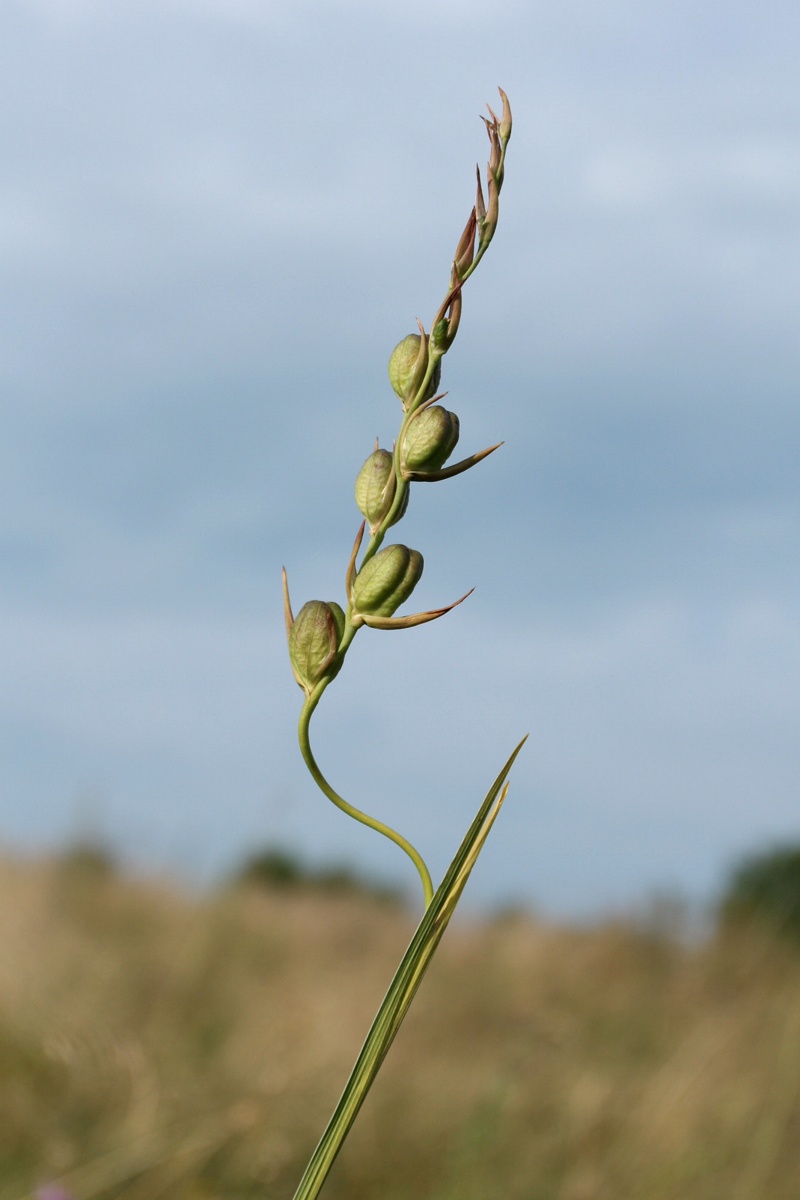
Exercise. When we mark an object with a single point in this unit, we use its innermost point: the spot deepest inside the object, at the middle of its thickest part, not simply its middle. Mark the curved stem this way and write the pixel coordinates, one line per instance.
(364, 818)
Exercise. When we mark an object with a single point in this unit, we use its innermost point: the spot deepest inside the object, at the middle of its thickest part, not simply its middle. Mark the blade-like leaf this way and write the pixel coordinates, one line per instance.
(404, 986)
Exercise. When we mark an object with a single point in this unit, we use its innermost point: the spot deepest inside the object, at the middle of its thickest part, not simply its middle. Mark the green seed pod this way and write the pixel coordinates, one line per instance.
(387, 580)
(313, 641)
(375, 488)
(430, 439)
(401, 367)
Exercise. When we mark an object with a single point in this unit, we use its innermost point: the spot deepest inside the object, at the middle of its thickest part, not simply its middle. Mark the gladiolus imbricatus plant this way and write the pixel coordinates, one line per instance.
(378, 581)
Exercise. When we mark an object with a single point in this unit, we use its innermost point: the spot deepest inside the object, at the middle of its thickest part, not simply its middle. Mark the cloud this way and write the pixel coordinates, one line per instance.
(215, 222)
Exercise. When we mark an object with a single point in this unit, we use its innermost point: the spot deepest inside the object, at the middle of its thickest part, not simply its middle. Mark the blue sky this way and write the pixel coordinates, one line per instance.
(216, 219)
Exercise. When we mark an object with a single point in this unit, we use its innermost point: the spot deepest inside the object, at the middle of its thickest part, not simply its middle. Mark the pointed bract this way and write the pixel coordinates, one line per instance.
(350, 573)
(377, 622)
(287, 607)
(433, 476)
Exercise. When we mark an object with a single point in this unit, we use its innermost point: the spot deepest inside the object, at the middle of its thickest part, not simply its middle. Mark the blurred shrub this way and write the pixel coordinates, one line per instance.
(276, 868)
(88, 858)
(765, 888)
(271, 868)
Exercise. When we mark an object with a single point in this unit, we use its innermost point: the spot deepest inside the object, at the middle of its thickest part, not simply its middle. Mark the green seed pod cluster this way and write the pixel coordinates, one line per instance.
(402, 363)
(430, 439)
(314, 640)
(386, 581)
(375, 488)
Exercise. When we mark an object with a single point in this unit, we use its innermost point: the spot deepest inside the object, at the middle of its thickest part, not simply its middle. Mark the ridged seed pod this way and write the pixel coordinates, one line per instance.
(387, 580)
(375, 488)
(402, 362)
(313, 641)
(430, 439)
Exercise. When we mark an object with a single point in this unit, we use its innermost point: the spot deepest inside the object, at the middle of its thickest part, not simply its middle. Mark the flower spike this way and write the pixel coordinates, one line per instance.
(379, 581)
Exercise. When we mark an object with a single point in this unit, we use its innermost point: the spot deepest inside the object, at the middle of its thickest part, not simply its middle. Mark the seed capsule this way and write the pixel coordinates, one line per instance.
(386, 581)
(430, 439)
(375, 488)
(404, 360)
(313, 641)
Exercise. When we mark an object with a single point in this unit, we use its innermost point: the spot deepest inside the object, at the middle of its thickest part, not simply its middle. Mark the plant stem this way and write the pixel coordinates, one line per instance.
(364, 818)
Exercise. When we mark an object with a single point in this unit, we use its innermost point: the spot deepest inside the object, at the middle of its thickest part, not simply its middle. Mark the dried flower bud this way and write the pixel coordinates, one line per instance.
(480, 203)
(375, 488)
(465, 250)
(403, 365)
(386, 581)
(430, 439)
(313, 641)
(504, 128)
(439, 335)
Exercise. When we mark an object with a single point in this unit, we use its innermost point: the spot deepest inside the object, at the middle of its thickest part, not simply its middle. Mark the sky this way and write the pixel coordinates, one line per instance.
(217, 218)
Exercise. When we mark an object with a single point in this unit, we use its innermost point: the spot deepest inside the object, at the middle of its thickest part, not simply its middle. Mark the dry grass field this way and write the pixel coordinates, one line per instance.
(155, 1044)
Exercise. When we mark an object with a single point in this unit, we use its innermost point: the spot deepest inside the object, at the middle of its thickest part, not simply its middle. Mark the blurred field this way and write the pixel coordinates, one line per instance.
(155, 1044)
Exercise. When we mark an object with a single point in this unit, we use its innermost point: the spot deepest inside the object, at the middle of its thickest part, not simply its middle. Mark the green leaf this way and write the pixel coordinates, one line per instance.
(404, 986)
